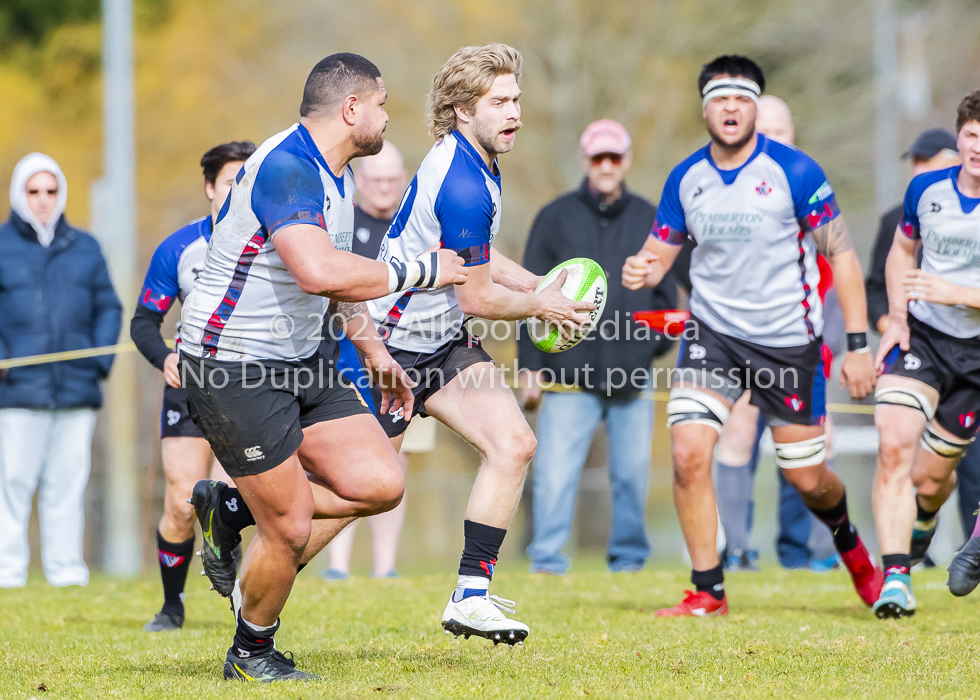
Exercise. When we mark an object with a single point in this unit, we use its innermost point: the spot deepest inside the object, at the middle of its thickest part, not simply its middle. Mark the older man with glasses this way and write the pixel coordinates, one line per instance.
(604, 221)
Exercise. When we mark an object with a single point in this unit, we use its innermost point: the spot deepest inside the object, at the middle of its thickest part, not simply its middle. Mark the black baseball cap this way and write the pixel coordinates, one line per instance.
(931, 142)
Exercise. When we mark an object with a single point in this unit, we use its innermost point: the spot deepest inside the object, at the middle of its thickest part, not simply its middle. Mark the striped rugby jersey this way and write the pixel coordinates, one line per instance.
(246, 305)
(452, 202)
(754, 271)
(175, 266)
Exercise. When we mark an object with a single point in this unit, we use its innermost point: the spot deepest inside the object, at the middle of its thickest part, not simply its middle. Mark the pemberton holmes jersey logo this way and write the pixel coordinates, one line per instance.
(953, 248)
(342, 240)
(735, 227)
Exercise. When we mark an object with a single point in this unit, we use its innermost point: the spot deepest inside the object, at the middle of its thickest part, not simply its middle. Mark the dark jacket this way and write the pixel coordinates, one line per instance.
(579, 225)
(874, 285)
(54, 299)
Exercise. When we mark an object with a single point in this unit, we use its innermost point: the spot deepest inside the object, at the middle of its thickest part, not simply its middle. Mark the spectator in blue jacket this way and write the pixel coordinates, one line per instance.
(55, 295)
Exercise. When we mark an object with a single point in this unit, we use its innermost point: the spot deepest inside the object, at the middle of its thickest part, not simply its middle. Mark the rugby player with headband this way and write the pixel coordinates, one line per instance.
(759, 211)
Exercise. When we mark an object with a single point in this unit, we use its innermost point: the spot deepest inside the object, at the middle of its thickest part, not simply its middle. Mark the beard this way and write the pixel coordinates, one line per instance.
(487, 135)
(368, 143)
(737, 145)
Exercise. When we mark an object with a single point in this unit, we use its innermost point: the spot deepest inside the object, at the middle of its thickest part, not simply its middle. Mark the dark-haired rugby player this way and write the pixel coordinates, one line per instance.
(173, 270)
(298, 442)
(759, 211)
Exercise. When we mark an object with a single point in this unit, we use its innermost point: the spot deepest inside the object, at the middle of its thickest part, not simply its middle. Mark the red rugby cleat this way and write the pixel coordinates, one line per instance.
(700, 604)
(865, 573)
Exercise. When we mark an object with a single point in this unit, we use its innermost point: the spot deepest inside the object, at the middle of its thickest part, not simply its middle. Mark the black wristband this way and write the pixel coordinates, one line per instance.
(857, 342)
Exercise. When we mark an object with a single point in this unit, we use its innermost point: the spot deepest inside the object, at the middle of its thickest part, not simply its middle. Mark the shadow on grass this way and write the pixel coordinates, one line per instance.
(314, 660)
(136, 623)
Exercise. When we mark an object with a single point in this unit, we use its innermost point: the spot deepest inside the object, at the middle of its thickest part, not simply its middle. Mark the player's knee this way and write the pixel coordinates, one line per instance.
(896, 447)
(514, 449)
(526, 444)
(390, 492)
(175, 506)
(692, 461)
(294, 531)
(807, 482)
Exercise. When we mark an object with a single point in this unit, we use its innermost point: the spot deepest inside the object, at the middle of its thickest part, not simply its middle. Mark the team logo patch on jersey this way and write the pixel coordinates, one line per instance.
(157, 302)
(908, 228)
(697, 352)
(170, 560)
(254, 453)
(662, 232)
(968, 420)
(912, 362)
(818, 218)
(795, 402)
(363, 235)
(763, 189)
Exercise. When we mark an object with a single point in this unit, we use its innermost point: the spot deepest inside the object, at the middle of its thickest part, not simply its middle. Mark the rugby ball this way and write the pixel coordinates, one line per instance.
(585, 282)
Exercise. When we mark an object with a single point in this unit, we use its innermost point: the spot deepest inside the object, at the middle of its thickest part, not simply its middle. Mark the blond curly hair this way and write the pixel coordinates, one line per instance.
(464, 79)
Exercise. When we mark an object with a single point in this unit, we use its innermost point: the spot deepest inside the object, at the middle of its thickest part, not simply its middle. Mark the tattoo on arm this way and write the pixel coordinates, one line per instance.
(833, 238)
(344, 311)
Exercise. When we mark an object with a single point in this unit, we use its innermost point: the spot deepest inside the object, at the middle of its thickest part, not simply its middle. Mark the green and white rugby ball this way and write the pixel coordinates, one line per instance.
(585, 282)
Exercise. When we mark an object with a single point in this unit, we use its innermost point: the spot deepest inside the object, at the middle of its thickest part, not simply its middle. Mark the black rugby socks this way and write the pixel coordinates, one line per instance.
(845, 535)
(233, 511)
(711, 581)
(175, 561)
(481, 545)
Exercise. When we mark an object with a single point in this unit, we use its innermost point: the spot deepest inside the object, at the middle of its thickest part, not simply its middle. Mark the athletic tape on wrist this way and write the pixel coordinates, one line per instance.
(857, 342)
(418, 274)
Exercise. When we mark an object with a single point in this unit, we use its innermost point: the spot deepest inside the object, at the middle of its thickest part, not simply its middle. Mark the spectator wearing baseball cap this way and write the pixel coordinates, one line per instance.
(604, 221)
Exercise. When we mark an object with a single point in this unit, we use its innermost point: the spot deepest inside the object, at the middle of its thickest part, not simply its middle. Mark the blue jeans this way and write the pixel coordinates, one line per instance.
(566, 424)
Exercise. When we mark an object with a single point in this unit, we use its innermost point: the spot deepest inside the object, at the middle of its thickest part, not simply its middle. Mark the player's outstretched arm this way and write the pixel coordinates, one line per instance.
(481, 296)
(396, 386)
(510, 274)
(648, 267)
(900, 262)
(321, 269)
(834, 242)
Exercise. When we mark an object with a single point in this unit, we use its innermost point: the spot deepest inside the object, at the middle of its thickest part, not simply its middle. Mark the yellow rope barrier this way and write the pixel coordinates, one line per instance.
(70, 355)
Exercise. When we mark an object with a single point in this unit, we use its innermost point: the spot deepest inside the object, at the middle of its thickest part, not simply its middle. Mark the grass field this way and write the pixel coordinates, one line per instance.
(790, 634)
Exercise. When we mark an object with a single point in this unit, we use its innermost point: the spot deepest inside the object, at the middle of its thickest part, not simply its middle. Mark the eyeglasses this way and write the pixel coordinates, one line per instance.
(34, 193)
(614, 158)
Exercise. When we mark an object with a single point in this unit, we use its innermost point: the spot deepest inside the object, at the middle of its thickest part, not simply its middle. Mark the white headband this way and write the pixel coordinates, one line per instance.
(723, 87)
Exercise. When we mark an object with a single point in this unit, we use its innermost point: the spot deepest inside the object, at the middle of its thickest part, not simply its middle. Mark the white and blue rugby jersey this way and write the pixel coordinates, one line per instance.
(948, 224)
(453, 202)
(246, 305)
(175, 266)
(754, 271)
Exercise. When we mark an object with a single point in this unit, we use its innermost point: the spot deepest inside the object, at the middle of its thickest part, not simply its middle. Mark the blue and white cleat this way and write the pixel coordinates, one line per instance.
(896, 599)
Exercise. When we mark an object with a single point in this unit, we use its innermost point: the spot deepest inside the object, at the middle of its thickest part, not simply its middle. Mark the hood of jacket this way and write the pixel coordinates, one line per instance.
(29, 166)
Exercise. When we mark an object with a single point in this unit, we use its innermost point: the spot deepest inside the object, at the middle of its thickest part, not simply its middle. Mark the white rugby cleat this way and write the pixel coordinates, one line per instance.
(483, 616)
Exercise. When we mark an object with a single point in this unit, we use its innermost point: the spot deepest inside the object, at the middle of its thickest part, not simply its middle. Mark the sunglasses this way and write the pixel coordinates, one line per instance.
(34, 193)
(614, 158)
